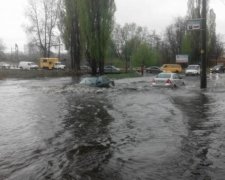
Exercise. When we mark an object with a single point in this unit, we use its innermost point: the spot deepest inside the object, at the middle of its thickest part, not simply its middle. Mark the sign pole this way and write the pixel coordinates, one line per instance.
(203, 50)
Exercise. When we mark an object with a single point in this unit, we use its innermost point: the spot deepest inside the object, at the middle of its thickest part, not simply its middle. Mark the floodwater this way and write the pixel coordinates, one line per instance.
(56, 129)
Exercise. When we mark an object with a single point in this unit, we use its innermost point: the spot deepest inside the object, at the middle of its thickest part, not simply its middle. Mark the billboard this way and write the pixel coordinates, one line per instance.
(181, 58)
(194, 24)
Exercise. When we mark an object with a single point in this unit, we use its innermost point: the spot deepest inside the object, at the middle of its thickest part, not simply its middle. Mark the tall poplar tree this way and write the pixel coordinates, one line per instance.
(194, 12)
(96, 17)
(211, 34)
(70, 28)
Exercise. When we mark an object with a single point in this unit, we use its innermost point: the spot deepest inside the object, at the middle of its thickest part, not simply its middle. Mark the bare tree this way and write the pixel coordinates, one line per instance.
(2, 48)
(43, 16)
(173, 38)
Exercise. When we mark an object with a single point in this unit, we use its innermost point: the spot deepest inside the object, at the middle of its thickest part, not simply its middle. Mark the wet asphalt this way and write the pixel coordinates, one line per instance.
(54, 128)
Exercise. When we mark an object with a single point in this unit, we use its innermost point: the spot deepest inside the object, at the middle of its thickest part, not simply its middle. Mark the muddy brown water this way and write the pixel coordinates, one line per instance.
(53, 128)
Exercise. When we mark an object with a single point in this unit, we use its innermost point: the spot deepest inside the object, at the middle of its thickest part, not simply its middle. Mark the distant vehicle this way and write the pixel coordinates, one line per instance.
(59, 65)
(97, 81)
(111, 69)
(174, 68)
(138, 69)
(26, 65)
(193, 70)
(153, 69)
(168, 80)
(48, 63)
(218, 69)
(4, 65)
(14, 67)
(85, 68)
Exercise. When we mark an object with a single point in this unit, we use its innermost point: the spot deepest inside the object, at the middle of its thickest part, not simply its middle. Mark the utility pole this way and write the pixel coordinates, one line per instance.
(203, 49)
(59, 53)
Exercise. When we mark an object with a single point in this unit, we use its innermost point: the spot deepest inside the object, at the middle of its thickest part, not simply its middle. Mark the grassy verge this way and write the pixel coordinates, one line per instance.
(25, 74)
(29, 74)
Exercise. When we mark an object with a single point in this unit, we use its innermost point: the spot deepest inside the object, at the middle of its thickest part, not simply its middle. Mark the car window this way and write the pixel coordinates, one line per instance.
(99, 79)
(175, 76)
(163, 75)
(91, 80)
(193, 67)
(105, 79)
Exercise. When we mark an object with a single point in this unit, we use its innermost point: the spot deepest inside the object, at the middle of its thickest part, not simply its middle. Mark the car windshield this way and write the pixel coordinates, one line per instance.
(89, 80)
(217, 66)
(163, 75)
(192, 67)
(109, 66)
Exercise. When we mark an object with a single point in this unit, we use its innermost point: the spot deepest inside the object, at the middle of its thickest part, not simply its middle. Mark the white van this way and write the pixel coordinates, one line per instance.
(59, 65)
(193, 69)
(27, 65)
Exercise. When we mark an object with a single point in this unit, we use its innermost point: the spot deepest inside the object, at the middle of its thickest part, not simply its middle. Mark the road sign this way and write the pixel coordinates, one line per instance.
(194, 24)
(181, 58)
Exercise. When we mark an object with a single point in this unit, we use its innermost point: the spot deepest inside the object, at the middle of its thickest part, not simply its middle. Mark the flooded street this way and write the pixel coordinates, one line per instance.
(56, 129)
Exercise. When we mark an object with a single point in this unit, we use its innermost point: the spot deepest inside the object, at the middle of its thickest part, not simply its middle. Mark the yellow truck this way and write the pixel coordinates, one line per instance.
(174, 68)
(48, 63)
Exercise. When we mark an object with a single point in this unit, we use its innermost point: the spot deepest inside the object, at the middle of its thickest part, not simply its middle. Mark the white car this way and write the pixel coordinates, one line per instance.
(59, 65)
(4, 65)
(168, 80)
(27, 65)
(193, 70)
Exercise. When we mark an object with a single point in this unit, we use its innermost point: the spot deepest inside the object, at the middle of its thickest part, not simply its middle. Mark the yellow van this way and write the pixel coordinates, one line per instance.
(48, 63)
(174, 68)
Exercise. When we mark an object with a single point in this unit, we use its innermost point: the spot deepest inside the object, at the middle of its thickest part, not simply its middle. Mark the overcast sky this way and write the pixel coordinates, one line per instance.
(153, 14)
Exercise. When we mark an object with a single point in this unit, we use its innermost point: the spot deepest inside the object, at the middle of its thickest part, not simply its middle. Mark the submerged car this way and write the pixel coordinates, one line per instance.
(97, 81)
(168, 80)
(220, 68)
(193, 70)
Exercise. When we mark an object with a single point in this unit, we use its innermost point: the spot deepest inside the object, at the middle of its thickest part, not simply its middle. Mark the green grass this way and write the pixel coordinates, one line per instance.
(123, 75)
(55, 73)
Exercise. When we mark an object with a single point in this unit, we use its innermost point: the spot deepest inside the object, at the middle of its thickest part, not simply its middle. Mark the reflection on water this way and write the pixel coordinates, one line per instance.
(197, 142)
(89, 145)
(56, 129)
(47, 134)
